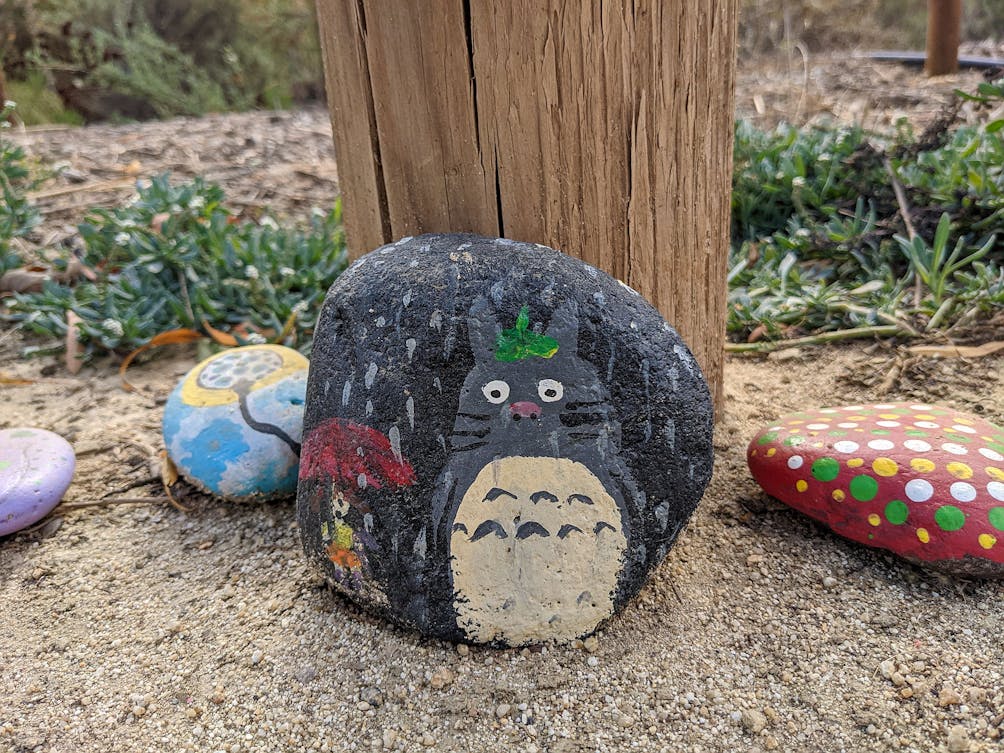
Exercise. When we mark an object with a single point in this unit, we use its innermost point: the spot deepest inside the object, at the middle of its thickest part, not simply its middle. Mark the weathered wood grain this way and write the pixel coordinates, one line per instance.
(603, 129)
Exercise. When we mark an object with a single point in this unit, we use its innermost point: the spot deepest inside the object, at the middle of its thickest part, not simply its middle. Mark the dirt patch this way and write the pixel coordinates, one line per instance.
(140, 627)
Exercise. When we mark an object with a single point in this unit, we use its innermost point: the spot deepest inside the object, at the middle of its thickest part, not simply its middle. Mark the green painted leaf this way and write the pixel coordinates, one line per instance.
(520, 343)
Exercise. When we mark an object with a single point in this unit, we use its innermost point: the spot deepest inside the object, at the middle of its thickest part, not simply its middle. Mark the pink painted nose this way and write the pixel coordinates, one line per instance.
(524, 409)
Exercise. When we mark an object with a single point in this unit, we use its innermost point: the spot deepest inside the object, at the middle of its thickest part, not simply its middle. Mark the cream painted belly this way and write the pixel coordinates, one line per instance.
(536, 550)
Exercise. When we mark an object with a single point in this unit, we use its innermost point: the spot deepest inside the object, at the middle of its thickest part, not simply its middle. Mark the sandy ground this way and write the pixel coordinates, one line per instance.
(136, 627)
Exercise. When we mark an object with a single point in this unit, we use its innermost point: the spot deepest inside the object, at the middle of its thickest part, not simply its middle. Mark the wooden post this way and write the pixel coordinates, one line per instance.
(602, 129)
(944, 20)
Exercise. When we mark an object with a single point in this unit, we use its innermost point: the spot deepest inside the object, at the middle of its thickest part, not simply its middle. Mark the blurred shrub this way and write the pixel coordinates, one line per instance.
(144, 58)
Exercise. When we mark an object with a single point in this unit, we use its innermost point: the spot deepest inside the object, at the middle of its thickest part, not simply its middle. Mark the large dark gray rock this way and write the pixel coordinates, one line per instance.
(500, 441)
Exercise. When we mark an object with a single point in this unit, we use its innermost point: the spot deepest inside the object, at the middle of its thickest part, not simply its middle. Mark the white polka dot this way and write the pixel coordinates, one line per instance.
(991, 454)
(920, 407)
(919, 490)
(828, 410)
(926, 424)
(795, 461)
(888, 424)
(996, 490)
(774, 428)
(851, 408)
(964, 429)
(845, 446)
(955, 449)
(917, 445)
(963, 492)
(881, 444)
(885, 406)
(817, 427)
(847, 425)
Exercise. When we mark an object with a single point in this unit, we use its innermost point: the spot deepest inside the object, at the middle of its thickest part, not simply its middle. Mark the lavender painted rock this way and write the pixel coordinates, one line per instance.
(232, 426)
(923, 481)
(500, 441)
(36, 467)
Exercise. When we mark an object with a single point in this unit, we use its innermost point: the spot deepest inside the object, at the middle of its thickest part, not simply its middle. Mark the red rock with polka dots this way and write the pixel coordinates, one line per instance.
(923, 481)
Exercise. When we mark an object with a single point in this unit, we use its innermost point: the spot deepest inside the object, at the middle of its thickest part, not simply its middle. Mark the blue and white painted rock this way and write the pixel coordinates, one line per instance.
(36, 467)
(233, 424)
(923, 481)
(500, 441)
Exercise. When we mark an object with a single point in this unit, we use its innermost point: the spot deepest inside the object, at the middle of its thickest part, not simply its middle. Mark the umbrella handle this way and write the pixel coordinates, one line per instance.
(265, 428)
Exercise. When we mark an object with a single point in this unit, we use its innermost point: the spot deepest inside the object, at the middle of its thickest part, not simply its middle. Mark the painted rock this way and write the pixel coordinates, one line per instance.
(923, 481)
(36, 467)
(500, 441)
(233, 424)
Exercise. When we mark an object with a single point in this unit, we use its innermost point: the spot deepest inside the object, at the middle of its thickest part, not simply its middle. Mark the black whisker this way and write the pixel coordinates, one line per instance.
(471, 446)
(531, 528)
(494, 493)
(567, 529)
(489, 526)
(580, 498)
(472, 432)
(477, 416)
(543, 497)
(578, 419)
(584, 404)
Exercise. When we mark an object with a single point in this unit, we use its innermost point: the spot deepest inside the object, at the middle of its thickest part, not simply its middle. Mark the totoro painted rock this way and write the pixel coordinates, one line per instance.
(36, 467)
(500, 441)
(233, 424)
(923, 481)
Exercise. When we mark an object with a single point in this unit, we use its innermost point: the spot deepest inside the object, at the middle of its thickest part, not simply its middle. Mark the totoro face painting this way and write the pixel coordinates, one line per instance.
(500, 441)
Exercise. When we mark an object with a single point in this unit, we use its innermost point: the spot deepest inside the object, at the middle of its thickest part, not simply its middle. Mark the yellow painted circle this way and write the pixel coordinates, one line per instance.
(874, 519)
(192, 393)
(922, 465)
(839, 495)
(923, 535)
(964, 421)
(885, 466)
(925, 416)
(771, 452)
(855, 463)
(959, 470)
(996, 473)
(889, 416)
(801, 485)
(987, 540)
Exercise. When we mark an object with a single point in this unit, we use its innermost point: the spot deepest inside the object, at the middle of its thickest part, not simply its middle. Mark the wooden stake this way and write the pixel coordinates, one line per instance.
(602, 129)
(944, 20)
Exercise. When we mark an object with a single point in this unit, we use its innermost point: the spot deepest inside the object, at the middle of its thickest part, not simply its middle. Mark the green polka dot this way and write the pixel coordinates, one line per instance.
(995, 446)
(896, 512)
(960, 438)
(767, 438)
(916, 433)
(793, 441)
(996, 516)
(864, 488)
(4, 465)
(880, 431)
(949, 518)
(837, 433)
(825, 469)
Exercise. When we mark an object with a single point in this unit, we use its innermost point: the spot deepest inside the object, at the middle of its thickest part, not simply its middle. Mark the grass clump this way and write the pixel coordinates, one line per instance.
(835, 229)
(17, 215)
(177, 258)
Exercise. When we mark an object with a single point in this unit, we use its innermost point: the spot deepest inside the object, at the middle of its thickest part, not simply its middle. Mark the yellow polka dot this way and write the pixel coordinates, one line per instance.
(996, 473)
(796, 422)
(874, 519)
(964, 421)
(857, 418)
(801, 485)
(925, 416)
(987, 540)
(922, 465)
(838, 495)
(753, 453)
(923, 535)
(960, 470)
(855, 463)
(771, 452)
(885, 466)
(986, 438)
(889, 416)
(818, 444)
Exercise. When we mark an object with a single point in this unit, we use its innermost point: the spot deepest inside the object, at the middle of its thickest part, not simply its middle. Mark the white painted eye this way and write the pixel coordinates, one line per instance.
(550, 390)
(496, 391)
